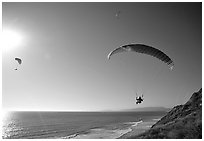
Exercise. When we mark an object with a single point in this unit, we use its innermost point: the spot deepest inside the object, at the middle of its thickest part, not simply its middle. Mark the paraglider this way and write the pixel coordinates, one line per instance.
(139, 99)
(19, 61)
(117, 15)
(141, 48)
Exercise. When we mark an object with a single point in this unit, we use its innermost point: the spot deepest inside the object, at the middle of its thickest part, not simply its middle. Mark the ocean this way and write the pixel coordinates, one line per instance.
(68, 125)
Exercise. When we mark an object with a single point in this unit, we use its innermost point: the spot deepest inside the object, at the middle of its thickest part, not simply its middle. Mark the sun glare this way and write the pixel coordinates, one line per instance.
(4, 114)
(10, 40)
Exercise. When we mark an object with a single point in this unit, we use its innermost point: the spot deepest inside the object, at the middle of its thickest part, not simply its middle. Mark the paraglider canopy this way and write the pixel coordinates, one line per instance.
(18, 60)
(145, 49)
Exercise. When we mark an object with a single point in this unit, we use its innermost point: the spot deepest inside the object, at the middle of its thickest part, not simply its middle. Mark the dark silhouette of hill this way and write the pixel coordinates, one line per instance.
(182, 122)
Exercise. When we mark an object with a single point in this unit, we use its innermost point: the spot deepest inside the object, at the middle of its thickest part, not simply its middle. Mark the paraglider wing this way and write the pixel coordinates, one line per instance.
(141, 48)
(117, 50)
(18, 60)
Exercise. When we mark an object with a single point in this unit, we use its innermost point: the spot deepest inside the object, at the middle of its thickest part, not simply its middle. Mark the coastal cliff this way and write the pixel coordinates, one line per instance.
(182, 122)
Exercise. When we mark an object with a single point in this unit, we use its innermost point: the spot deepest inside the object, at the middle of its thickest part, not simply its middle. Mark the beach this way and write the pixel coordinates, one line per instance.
(139, 128)
(135, 128)
(109, 132)
(101, 134)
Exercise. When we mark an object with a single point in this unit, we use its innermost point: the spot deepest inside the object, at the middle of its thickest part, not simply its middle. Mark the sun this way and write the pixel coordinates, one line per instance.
(4, 114)
(10, 40)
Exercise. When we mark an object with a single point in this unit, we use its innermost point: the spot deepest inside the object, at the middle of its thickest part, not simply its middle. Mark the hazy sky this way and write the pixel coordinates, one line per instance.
(64, 50)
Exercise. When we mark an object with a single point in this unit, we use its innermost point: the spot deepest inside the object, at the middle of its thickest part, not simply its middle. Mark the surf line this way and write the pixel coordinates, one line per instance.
(134, 123)
(157, 119)
(115, 133)
(70, 136)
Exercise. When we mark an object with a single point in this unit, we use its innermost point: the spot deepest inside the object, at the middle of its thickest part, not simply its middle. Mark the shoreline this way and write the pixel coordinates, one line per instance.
(103, 133)
(140, 128)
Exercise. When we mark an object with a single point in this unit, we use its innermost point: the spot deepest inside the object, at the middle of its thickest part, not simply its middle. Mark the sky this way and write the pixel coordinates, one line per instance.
(64, 48)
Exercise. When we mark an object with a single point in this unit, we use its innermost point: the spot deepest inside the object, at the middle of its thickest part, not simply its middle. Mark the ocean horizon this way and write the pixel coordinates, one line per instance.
(56, 125)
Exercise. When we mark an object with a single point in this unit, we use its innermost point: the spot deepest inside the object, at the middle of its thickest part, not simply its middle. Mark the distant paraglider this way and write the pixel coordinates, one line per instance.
(141, 48)
(117, 15)
(19, 61)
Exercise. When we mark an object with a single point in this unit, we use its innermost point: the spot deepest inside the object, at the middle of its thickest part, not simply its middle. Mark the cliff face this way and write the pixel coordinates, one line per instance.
(182, 122)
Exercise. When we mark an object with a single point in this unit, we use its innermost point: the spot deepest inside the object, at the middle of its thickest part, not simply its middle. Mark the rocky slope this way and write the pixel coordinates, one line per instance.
(182, 122)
